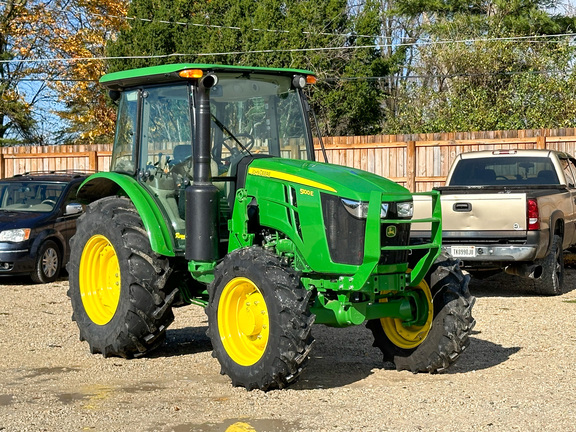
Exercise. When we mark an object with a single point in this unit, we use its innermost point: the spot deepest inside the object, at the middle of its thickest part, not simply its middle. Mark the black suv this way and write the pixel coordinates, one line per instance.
(38, 213)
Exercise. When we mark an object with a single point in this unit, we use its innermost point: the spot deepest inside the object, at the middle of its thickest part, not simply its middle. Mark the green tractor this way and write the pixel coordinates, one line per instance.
(214, 198)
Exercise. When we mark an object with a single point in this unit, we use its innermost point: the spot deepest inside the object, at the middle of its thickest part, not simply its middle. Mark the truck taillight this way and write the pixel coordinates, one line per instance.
(533, 216)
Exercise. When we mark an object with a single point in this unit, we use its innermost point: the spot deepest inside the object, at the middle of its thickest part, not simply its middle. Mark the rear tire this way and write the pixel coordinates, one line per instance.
(551, 282)
(258, 320)
(446, 334)
(117, 283)
(48, 263)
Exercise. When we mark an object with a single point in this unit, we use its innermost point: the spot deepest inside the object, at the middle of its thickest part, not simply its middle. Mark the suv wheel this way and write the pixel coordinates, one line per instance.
(48, 263)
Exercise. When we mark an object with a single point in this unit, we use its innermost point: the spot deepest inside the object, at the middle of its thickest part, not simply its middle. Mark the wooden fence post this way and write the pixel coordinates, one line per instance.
(92, 161)
(2, 167)
(541, 143)
(411, 166)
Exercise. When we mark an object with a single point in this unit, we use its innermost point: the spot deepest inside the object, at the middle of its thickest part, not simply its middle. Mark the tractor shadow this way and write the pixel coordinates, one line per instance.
(345, 356)
(340, 357)
(183, 341)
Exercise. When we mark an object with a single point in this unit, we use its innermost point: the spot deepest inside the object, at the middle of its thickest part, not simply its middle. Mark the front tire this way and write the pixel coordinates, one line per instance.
(117, 283)
(48, 263)
(258, 320)
(437, 344)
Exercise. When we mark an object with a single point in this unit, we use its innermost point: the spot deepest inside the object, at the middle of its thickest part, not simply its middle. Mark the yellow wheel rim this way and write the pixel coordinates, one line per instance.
(99, 278)
(243, 321)
(409, 337)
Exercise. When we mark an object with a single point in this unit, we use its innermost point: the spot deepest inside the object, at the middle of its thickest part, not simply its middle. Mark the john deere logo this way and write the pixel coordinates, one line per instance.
(391, 231)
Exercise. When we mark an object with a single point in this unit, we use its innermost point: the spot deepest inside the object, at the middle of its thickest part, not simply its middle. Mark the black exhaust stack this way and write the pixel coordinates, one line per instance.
(202, 196)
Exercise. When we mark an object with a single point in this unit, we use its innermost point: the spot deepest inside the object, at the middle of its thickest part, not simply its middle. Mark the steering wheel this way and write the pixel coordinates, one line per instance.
(245, 147)
(235, 149)
(179, 167)
(501, 177)
(49, 201)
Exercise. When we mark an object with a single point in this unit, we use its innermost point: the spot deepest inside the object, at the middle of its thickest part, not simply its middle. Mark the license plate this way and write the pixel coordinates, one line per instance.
(463, 251)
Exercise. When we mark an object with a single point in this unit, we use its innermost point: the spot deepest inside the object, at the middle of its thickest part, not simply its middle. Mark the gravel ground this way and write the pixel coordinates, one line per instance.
(518, 374)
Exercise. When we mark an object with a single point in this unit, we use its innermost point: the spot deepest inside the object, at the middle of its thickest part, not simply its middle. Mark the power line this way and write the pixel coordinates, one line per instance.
(399, 44)
(220, 27)
(272, 51)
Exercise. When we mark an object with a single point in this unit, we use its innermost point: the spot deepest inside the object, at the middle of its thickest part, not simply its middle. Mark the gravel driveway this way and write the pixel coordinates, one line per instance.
(518, 374)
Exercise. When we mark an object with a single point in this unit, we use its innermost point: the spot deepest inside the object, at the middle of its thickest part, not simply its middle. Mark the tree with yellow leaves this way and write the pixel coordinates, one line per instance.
(17, 42)
(81, 37)
(50, 60)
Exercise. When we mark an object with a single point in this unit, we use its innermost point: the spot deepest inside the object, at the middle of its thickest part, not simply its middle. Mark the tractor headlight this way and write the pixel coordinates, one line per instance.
(405, 209)
(359, 209)
(15, 235)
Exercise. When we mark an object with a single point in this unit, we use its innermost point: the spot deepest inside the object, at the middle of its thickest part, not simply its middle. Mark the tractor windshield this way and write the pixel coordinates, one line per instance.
(257, 114)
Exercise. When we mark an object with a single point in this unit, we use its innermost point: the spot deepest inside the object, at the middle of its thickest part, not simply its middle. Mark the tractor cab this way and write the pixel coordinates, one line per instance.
(253, 113)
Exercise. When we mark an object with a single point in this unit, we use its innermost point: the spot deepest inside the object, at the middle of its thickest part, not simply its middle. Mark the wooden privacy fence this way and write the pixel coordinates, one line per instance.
(82, 158)
(418, 162)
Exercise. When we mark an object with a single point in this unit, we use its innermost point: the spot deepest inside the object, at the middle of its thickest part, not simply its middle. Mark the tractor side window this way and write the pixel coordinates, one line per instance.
(292, 129)
(166, 128)
(125, 139)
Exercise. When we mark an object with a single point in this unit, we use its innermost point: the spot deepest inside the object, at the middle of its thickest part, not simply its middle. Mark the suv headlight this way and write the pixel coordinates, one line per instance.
(15, 235)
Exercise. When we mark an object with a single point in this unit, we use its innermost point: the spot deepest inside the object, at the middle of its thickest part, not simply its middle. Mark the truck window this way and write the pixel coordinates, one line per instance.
(568, 168)
(504, 171)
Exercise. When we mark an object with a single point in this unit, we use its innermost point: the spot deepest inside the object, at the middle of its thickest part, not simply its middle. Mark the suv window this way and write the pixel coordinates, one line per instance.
(30, 196)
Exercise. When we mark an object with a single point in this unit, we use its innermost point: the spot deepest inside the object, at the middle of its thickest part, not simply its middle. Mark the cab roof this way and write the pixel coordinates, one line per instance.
(169, 73)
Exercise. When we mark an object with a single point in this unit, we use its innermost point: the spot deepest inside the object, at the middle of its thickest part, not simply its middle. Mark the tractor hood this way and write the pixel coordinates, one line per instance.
(338, 180)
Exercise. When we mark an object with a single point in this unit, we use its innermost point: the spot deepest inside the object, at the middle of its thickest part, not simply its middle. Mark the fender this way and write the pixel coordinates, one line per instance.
(556, 227)
(105, 184)
(48, 234)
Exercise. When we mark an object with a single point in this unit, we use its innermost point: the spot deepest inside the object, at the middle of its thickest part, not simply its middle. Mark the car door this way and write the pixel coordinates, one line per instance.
(66, 223)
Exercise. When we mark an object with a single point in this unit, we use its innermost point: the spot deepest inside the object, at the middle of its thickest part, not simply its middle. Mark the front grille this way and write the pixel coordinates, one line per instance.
(344, 232)
(401, 237)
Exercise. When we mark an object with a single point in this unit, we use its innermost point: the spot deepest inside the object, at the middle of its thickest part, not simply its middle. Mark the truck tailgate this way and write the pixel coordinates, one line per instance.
(475, 212)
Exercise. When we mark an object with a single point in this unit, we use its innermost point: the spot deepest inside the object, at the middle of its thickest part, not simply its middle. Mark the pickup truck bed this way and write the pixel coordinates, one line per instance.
(519, 217)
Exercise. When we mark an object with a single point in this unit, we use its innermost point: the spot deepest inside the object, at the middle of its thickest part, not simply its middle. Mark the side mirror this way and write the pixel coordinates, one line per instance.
(72, 209)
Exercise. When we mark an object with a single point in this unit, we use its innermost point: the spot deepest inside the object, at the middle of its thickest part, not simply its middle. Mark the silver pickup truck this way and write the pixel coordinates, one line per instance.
(511, 210)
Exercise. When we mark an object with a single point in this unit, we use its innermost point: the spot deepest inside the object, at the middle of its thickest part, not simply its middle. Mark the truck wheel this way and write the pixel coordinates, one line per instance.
(440, 341)
(117, 282)
(259, 320)
(551, 282)
(48, 262)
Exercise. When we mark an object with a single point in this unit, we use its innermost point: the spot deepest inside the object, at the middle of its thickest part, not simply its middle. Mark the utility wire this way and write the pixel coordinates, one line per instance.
(271, 51)
(215, 26)
(351, 34)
